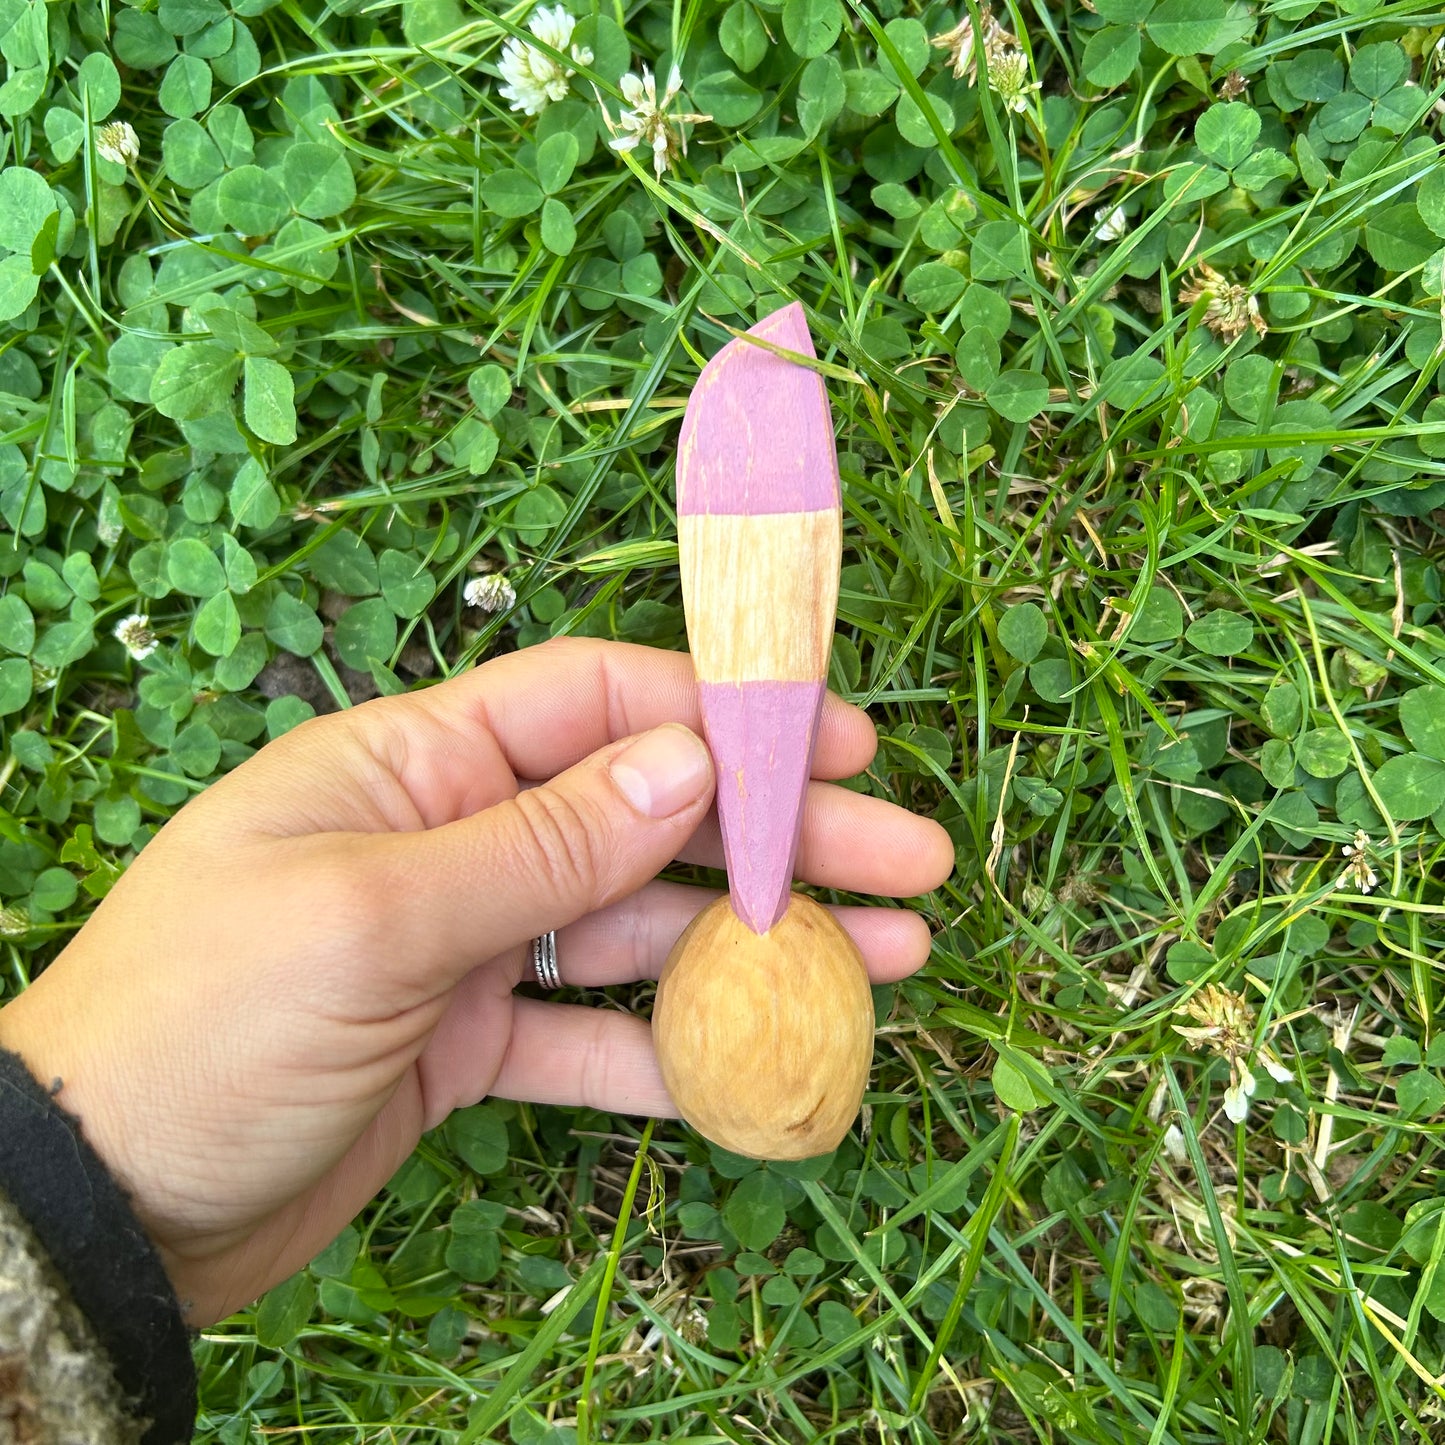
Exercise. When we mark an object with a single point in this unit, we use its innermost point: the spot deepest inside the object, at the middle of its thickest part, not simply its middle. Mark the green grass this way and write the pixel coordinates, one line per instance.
(1148, 615)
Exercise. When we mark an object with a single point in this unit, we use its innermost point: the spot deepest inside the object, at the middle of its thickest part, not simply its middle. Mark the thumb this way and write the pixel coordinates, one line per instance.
(474, 888)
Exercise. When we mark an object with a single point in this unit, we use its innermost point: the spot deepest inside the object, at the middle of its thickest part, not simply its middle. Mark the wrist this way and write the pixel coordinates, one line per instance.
(91, 1239)
(26, 1031)
(71, 1072)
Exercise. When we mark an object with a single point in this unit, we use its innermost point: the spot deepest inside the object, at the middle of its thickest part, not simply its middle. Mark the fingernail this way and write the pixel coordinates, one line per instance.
(663, 771)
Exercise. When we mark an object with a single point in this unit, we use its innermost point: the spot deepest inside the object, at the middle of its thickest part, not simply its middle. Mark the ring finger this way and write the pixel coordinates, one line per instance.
(631, 940)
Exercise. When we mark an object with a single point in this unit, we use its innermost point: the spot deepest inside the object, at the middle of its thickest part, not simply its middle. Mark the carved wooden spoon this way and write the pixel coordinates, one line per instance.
(764, 1020)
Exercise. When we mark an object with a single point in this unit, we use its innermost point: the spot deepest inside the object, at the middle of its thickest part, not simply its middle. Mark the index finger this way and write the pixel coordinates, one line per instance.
(551, 706)
(432, 757)
(548, 707)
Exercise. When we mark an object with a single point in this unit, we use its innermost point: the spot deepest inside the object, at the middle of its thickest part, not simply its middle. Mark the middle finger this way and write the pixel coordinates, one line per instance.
(852, 842)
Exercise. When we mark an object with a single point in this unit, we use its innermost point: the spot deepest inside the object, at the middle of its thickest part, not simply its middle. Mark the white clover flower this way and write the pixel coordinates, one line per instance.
(1237, 1095)
(118, 142)
(1359, 874)
(963, 42)
(135, 635)
(1008, 76)
(43, 678)
(1112, 224)
(1174, 1149)
(1224, 1023)
(648, 123)
(14, 921)
(1232, 308)
(533, 78)
(1274, 1068)
(492, 593)
(1233, 85)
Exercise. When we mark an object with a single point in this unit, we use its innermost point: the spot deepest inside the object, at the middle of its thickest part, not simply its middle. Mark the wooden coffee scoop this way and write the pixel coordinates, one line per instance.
(764, 1019)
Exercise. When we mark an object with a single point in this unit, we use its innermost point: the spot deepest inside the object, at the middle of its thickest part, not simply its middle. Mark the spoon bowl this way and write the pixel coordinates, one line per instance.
(765, 1039)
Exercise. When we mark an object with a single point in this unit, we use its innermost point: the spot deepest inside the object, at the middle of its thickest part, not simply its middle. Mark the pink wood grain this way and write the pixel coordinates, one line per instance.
(758, 435)
(761, 735)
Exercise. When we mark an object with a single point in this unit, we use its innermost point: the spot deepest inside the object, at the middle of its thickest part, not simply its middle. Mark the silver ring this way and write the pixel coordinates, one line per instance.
(544, 960)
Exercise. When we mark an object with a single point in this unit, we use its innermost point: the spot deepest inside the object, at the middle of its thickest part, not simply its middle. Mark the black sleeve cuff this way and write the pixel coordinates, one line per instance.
(82, 1220)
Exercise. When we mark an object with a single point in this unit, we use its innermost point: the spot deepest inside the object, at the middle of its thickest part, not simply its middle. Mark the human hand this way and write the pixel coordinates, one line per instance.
(314, 961)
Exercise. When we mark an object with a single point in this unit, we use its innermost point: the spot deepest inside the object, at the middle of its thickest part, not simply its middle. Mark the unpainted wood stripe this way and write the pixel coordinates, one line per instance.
(761, 594)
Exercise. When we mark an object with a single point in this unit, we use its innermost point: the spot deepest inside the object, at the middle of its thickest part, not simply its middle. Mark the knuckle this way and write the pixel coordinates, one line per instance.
(314, 733)
(568, 837)
(595, 1066)
(641, 940)
(348, 885)
(567, 651)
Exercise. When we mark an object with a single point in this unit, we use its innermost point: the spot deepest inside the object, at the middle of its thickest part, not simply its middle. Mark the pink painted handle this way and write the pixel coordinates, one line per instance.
(762, 736)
